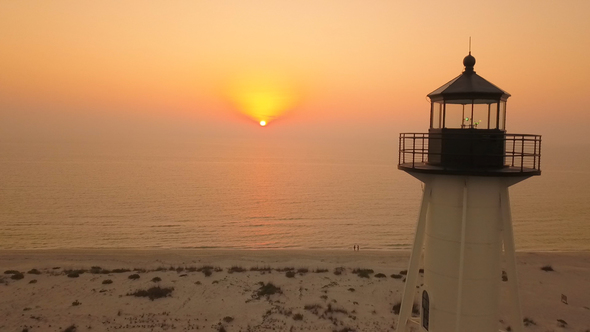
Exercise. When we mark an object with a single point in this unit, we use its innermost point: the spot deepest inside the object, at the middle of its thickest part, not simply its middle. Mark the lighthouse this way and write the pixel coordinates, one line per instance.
(464, 239)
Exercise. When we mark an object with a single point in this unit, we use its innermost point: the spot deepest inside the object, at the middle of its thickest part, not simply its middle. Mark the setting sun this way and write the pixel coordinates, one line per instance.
(262, 97)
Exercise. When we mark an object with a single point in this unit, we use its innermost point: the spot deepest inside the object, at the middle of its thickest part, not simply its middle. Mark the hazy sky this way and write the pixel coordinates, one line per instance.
(92, 70)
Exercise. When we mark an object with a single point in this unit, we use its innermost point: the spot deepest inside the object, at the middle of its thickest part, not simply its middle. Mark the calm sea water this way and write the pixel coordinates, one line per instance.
(253, 195)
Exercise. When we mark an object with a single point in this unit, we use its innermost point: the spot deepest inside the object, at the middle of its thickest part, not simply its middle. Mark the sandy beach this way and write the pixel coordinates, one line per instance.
(280, 290)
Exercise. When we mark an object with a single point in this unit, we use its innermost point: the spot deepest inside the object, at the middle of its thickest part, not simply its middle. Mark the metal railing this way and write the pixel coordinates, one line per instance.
(521, 151)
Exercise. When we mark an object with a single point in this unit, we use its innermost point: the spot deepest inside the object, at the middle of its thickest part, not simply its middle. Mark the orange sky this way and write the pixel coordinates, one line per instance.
(70, 69)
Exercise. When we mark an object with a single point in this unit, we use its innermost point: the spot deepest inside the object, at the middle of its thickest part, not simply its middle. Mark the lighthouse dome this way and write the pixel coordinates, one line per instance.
(469, 61)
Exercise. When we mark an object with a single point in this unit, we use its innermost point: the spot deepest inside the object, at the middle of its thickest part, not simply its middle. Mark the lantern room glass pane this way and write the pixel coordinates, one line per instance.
(493, 116)
(484, 115)
(502, 121)
(456, 115)
(436, 115)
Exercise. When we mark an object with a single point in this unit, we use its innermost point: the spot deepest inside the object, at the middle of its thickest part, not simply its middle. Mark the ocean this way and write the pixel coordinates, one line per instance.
(254, 194)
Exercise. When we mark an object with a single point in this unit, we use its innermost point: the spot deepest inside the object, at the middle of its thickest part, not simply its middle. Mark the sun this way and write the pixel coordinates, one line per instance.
(262, 97)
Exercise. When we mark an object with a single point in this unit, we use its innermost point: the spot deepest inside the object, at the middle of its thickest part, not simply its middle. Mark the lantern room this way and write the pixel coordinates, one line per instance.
(467, 133)
(468, 102)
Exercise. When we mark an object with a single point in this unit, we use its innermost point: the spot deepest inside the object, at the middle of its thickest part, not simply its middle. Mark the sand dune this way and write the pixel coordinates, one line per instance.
(309, 294)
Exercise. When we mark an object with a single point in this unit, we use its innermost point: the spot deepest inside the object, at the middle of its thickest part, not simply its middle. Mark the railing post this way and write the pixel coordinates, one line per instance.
(522, 155)
(413, 149)
(422, 150)
(424, 141)
(535, 154)
(399, 149)
(513, 149)
(539, 152)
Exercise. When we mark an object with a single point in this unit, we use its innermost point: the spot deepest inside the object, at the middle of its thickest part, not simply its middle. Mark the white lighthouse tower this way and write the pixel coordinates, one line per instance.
(464, 235)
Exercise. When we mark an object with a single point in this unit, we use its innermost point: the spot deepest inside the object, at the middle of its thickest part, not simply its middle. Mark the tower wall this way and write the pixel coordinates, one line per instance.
(481, 275)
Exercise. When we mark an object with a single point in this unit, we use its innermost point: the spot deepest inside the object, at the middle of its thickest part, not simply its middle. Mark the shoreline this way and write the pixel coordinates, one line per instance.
(175, 255)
